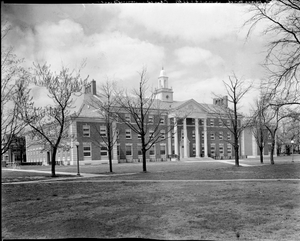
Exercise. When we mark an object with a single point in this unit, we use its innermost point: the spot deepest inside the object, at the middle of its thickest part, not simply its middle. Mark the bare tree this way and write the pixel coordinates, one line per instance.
(234, 122)
(289, 131)
(49, 124)
(140, 106)
(258, 128)
(283, 50)
(272, 115)
(105, 104)
(13, 79)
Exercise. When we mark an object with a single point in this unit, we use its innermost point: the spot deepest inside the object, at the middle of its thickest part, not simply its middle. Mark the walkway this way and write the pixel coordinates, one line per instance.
(208, 159)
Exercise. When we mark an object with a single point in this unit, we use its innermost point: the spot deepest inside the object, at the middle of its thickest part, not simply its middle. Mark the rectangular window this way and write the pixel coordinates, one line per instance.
(220, 122)
(103, 131)
(162, 134)
(229, 150)
(228, 123)
(103, 151)
(150, 119)
(182, 134)
(173, 135)
(139, 148)
(86, 130)
(87, 149)
(212, 149)
(212, 136)
(127, 118)
(117, 133)
(162, 150)
(212, 122)
(139, 136)
(194, 149)
(221, 149)
(128, 150)
(202, 135)
(151, 133)
(221, 135)
(193, 121)
(162, 120)
(152, 151)
(193, 135)
(228, 136)
(128, 134)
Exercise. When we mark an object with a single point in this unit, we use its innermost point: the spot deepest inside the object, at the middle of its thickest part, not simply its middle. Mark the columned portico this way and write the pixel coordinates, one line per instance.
(169, 137)
(115, 147)
(187, 136)
(175, 137)
(185, 140)
(197, 137)
(205, 137)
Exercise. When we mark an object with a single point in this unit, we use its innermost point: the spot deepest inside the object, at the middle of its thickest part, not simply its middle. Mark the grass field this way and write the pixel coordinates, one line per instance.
(202, 201)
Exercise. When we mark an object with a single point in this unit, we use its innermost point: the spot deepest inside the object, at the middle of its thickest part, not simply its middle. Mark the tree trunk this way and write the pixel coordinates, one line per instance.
(144, 152)
(53, 157)
(110, 158)
(144, 159)
(236, 158)
(261, 149)
(236, 150)
(272, 153)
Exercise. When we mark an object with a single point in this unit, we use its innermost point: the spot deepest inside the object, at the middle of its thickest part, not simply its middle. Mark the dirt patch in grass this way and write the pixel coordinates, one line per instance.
(160, 210)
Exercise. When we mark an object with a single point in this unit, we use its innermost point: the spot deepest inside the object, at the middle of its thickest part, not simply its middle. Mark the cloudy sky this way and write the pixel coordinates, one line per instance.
(198, 45)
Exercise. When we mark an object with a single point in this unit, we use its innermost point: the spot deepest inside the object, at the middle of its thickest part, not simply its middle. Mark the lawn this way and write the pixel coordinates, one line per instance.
(166, 203)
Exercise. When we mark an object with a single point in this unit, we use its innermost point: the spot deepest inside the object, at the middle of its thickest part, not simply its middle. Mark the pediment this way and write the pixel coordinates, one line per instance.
(191, 105)
(190, 108)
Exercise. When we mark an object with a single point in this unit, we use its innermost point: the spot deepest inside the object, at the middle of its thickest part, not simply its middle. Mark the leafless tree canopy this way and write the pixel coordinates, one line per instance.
(13, 79)
(105, 104)
(236, 88)
(271, 117)
(283, 50)
(140, 104)
(49, 124)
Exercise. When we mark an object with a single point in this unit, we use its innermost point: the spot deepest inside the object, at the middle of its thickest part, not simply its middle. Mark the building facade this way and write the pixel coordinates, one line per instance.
(188, 129)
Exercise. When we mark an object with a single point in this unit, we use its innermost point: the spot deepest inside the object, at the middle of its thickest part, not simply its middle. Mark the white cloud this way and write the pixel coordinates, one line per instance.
(192, 22)
(107, 54)
(198, 44)
(193, 56)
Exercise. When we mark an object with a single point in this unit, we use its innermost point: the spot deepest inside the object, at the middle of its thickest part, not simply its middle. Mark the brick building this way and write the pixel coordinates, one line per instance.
(199, 134)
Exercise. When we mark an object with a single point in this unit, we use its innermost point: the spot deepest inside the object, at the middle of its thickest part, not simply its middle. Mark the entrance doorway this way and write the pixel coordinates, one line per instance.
(182, 148)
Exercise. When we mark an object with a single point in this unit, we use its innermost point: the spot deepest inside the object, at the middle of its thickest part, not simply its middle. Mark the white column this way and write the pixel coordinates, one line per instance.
(176, 137)
(205, 137)
(169, 137)
(254, 146)
(197, 137)
(115, 144)
(185, 138)
(243, 143)
(73, 149)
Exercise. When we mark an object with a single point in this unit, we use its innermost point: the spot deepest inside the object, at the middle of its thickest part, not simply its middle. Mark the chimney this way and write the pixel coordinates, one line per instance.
(225, 101)
(91, 88)
(221, 101)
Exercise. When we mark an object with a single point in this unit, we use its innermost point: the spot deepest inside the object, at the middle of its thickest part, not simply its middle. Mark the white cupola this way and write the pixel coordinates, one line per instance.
(162, 79)
(164, 93)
